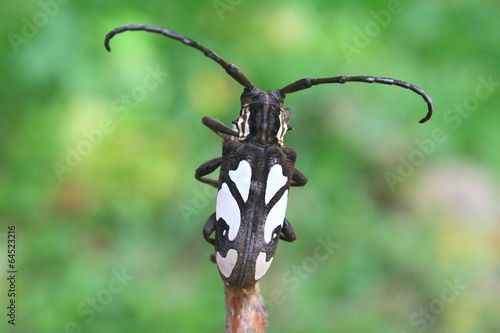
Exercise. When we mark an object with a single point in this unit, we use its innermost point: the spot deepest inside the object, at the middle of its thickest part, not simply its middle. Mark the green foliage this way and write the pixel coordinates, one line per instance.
(98, 151)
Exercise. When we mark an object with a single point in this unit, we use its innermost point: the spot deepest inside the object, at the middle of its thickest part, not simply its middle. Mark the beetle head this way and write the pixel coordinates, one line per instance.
(262, 117)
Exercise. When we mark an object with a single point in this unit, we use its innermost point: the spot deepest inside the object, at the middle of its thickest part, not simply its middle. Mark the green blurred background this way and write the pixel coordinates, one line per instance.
(98, 152)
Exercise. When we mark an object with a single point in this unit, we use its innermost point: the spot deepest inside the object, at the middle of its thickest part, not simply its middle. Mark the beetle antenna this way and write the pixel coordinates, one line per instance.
(231, 69)
(306, 83)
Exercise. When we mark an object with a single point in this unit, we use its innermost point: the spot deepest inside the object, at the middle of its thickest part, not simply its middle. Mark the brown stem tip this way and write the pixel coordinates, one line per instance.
(245, 310)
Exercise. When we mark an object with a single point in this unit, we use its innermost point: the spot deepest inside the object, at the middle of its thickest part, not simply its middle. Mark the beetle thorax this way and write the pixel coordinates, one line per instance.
(262, 118)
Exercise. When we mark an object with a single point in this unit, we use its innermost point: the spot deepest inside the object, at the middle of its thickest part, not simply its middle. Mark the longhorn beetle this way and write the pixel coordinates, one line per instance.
(256, 171)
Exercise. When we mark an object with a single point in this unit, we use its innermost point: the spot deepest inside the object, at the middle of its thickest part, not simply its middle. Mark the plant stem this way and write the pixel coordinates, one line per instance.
(245, 310)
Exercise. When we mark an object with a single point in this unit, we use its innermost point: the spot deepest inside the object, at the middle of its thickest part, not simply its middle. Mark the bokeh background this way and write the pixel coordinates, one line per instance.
(398, 228)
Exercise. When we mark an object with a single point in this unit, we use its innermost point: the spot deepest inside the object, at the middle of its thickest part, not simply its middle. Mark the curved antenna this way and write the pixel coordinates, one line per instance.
(231, 69)
(306, 83)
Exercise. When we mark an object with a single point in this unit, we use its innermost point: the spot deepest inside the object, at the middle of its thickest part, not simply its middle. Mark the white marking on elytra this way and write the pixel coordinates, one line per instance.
(226, 264)
(275, 181)
(242, 177)
(275, 217)
(261, 265)
(227, 209)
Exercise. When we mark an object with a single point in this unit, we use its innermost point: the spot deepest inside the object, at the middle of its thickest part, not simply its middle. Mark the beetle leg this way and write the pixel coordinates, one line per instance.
(220, 128)
(209, 229)
(298, 178)
(207, 168)
(287, 232)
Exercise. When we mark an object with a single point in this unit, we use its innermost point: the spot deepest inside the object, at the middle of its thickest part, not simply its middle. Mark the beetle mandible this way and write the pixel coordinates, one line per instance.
(256, 171)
